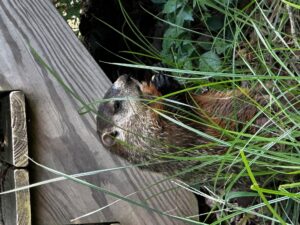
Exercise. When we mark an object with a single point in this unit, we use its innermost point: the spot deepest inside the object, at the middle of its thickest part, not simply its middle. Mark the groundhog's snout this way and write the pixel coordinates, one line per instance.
(105, 128)
(115, 108)
(108, 138)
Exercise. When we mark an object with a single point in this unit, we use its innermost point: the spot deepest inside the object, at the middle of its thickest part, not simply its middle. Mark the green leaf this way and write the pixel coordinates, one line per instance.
(210, 62)
(172, 5)
(185, 14)
(221, 46)
(170, 37)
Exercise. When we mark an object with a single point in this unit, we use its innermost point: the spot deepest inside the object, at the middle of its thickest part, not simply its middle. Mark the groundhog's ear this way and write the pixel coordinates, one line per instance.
(149, 90)
(108, 139)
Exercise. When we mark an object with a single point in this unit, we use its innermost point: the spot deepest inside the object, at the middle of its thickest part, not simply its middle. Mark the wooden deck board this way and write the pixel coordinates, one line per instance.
(61, 138)
(15, 208)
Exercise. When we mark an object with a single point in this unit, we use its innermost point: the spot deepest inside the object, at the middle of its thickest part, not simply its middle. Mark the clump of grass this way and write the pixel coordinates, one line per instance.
(257, 46)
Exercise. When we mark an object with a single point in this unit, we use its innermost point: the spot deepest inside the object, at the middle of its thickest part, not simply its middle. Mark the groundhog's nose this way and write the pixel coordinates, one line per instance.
(108, 139)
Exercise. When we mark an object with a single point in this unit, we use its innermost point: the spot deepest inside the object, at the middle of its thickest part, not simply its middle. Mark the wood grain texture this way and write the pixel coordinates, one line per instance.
(62, 139)
(19, 142)
(13, 123)
(15, 207)
(23, 206)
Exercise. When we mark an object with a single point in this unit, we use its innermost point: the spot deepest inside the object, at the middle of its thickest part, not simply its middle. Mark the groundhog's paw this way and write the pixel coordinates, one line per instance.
(165, 84)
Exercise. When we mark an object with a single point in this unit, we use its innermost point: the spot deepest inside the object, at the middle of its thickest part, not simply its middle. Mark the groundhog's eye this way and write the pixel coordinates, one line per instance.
(117, 106)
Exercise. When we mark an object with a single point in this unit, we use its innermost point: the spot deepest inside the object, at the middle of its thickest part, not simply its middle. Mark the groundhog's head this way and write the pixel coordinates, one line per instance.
(126, 124)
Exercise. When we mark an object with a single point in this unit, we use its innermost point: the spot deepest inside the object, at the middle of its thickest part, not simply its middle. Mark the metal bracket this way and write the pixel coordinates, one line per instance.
(15, 207)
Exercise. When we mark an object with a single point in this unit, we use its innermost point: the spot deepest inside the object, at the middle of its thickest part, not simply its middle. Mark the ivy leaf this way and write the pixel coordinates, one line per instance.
(209, 62)
(185, 14)
(171, 39)
(221, 46)
(171, 6)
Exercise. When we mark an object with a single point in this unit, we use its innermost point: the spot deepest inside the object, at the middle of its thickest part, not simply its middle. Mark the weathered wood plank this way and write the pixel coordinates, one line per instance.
(13, 119)
(15, 207)
(62, 139)
(19, 142)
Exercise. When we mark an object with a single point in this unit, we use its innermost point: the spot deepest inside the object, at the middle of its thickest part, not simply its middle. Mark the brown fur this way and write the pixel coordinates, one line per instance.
(220, 109)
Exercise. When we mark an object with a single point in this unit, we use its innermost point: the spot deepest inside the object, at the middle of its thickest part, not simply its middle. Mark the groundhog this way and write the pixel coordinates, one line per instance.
(138, 126)
(135, 123)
